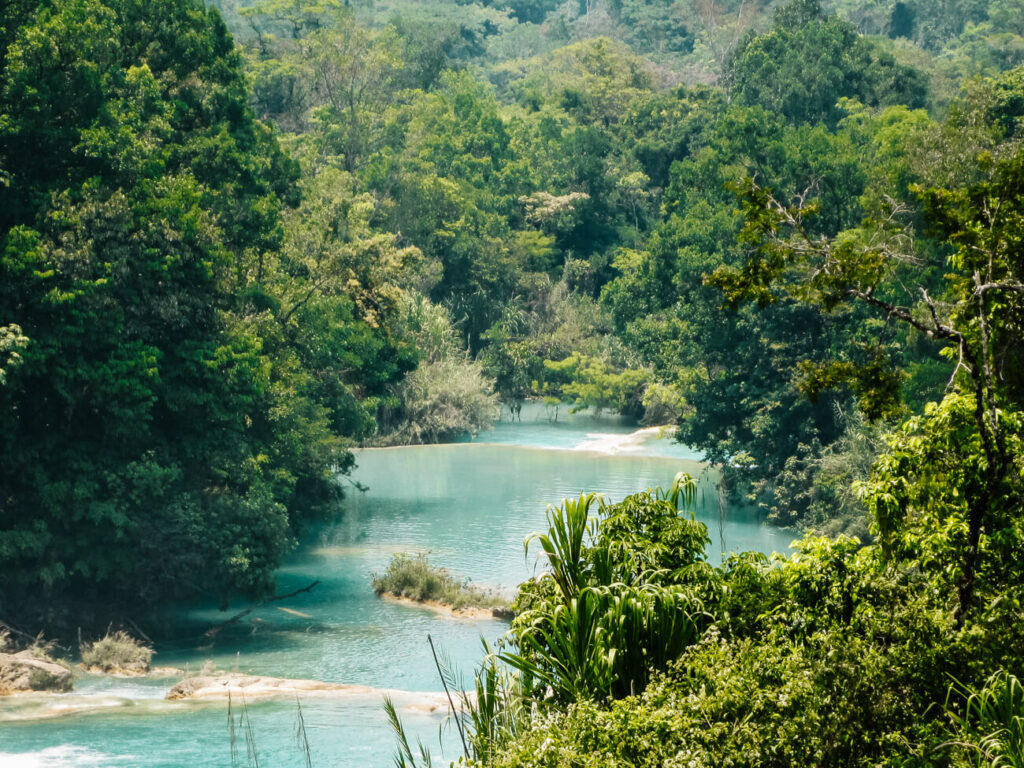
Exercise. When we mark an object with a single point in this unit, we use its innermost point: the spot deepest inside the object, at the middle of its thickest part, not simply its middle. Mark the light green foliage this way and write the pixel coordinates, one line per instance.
(11, 342)
(988, 723)
(589, 384)
(445, 399)
(563, 545)
(663, 404)
(319, 71)
(596, 79)
(404, 756)
(644, 538)
(117, 652)
(925, 496)
(499, 712)
(448, 394)
(622, 608)
(337, 288)
(431, 328)
(551, 321)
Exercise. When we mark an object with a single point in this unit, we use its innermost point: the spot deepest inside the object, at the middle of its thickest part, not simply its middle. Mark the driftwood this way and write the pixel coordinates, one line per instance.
(212, 632)
(134, 626)
(19, 633)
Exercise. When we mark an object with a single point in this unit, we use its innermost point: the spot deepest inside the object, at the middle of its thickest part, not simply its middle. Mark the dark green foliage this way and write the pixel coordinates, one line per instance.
(809, 60)
(162, 437)
(978, 324)
(739, 369)
(902, 20)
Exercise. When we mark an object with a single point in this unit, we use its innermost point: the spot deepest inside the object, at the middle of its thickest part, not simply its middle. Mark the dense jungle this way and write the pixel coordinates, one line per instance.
(244, 244)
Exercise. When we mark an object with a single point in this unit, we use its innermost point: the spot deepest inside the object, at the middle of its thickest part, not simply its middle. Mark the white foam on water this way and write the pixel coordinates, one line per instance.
(599, 442)
(47, 706)
(63, 756)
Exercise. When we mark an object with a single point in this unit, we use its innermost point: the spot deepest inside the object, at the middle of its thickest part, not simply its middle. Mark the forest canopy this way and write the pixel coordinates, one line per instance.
(179, 385)
(238, 240)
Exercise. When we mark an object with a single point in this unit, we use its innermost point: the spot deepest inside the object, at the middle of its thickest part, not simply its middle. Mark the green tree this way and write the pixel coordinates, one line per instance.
(447, 187)
(738, 368)
(589, 384)
(169, 414)
(975, 312)
(807, 61)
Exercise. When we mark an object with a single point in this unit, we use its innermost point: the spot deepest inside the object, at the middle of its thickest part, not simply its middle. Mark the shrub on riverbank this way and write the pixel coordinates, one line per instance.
(413, 577)
(447, 396)
(635, 650)
(119, 653)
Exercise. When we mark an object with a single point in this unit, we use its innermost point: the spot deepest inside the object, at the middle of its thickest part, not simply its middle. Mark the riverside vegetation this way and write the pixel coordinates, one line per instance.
(228, 260)
(237, 241)
(636, 651)
(118, 653)
(412, 577)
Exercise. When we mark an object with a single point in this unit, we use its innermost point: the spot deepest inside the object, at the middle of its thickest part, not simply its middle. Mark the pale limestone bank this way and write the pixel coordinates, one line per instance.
(250, 687)
(474, 613)
(25, 672)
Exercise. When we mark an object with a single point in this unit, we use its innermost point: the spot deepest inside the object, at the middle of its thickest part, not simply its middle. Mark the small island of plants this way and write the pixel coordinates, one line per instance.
(413, 578)
(117, 653)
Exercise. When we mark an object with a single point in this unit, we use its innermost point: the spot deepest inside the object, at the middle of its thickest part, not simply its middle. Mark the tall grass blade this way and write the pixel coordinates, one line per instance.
(232, 735)
(448, 693)
(404, 757)
(301, 736)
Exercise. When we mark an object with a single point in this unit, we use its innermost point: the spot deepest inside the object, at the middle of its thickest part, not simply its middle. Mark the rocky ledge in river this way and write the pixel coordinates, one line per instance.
(447, 609)
(23, 672)
(222, 685)
(132, 671)
(214, 686)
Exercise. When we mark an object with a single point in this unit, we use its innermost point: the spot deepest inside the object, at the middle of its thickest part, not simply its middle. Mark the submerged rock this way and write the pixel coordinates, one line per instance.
(213, 686)
(132, 671)
(259, 686)
(24, 671)
(116, 670)
(159, 672)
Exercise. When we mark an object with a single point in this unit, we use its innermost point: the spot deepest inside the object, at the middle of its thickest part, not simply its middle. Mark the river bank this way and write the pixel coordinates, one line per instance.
(470, 613)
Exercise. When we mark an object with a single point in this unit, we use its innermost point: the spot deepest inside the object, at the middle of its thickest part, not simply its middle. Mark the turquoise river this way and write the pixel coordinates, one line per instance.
(468, 504)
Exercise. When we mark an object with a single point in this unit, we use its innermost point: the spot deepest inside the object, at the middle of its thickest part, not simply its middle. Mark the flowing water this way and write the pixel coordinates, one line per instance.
(468, 505)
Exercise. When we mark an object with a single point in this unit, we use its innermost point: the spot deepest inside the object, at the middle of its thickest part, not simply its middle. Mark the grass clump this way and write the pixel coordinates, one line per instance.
(38, 646)
(118, 652)
(413, 577)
